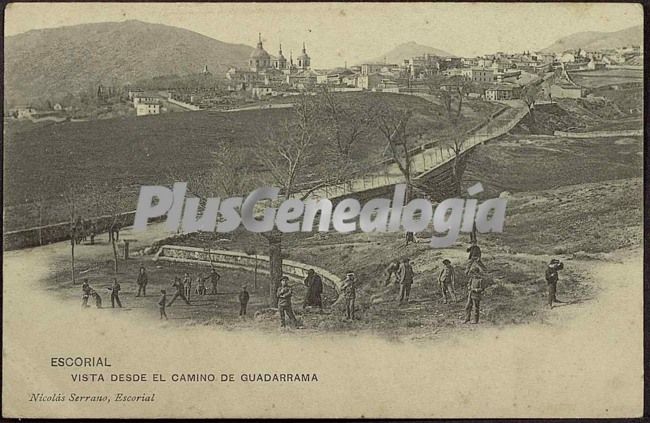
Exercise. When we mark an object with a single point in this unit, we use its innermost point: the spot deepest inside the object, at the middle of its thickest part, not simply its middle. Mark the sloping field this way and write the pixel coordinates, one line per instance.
(119, 155)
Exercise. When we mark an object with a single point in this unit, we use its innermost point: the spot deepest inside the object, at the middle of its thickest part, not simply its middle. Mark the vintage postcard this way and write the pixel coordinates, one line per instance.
(425, 210)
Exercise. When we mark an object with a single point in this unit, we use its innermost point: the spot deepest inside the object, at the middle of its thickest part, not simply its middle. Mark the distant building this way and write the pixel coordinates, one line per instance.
(369, 82)
(145, 107)
(143, 97)
(262, 91)
(482, 75)
(501, 92)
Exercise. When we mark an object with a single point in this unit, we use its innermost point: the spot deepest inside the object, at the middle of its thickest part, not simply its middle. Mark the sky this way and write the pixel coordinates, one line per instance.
(336, 33)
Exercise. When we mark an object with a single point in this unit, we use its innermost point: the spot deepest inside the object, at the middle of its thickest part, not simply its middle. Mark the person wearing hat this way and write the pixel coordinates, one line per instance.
(447, 281)
(474, 290)
(349, 289)
(474, 257)
(551, 280)
(115, 293)
(405, 281)
(284, 294)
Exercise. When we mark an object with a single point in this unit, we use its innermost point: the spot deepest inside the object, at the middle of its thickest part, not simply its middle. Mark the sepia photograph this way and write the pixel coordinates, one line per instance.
(313, 210)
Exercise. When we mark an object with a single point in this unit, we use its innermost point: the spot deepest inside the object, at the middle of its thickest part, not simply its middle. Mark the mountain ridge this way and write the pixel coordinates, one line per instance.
(595, 40)
(107, 53)
(407, 50)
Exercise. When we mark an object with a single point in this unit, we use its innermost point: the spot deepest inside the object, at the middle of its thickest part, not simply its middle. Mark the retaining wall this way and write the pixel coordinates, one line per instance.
(601, 134)
(296, 271)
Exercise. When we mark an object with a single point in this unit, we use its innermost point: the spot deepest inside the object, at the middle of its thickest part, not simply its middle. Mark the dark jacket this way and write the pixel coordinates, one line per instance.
(244, 297)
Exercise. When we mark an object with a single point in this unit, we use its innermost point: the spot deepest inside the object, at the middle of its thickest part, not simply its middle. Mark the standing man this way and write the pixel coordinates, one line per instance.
(349, 289)
(243, 301)
(187, 285)
(214, 279)
(447, 281)
(180, 291)
(284, 302)
(93, 232)
(405, 281)
(474, 257)
(314, 285)
(474, 290)
(200, 284)
(142, 282)
(161, 304)
(115, 293)
(551, 280)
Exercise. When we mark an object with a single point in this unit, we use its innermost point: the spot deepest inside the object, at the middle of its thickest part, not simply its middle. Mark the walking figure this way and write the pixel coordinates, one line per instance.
(214, 279)
(142, 282)
(474, 291)
(243, 301)
(392, 273)
(447, 281)
(115, 293)
(405, 281)
(180, 291)
(474, 258)
(551, 279)
(284, 294)
(187, 285)
(349, 289)
(161, 304)
(86, 291)
(200, 285)
(314, 285)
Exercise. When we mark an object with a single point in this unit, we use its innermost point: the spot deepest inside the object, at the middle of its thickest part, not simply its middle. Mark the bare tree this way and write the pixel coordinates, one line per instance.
(451, 93)
(299, 159)
(71, 200)
(529, 95)
(392, 124)
(346, 124)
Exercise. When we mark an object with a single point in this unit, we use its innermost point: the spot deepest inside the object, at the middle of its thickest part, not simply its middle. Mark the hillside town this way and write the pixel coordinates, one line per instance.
(270, 78)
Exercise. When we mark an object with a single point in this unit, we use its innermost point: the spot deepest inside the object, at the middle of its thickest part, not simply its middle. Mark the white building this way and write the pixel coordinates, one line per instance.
(144, 108)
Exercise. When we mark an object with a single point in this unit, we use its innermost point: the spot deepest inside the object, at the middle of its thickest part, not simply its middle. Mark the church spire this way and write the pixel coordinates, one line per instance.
(303, 47)
(259, 42)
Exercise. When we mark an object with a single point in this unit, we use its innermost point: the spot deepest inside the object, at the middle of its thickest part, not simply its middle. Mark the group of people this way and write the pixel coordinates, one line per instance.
(81, 230)
(399, 273)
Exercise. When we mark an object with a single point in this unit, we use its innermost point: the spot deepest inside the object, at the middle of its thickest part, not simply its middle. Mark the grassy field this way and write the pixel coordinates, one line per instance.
(605, 77)
(605, 110)
(119, 155)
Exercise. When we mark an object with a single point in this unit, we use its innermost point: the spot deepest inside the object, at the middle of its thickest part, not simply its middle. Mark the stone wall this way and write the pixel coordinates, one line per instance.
(296, 271)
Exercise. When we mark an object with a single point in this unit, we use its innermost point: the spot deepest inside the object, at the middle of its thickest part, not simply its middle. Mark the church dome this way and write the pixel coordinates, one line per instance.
(259, 52)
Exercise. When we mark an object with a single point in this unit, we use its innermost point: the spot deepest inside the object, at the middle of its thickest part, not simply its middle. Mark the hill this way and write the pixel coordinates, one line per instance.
(408, 50)
(593, 40)
(47, 63)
